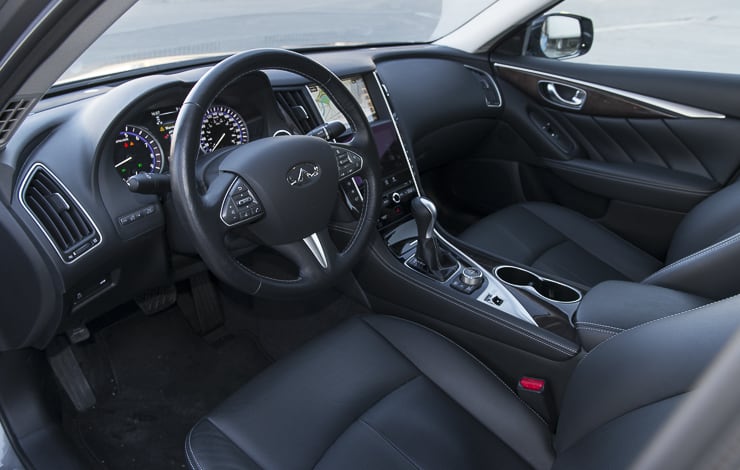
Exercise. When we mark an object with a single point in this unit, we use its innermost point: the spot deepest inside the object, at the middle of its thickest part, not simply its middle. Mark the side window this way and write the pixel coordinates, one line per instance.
(676, 34)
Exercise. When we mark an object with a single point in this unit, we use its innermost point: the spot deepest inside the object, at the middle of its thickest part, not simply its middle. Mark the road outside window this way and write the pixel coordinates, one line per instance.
(670, 34)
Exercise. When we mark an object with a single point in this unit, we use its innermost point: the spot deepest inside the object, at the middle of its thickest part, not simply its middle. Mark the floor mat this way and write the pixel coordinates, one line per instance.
(154, 377)
(159, 380)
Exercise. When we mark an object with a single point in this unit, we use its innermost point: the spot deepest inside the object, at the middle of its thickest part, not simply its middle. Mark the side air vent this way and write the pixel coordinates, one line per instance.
(57, 212)
(491, 93)
(297, 104)
(11, 115)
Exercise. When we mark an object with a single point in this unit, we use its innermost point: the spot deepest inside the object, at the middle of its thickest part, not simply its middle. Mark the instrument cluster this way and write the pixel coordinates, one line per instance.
(144, 147)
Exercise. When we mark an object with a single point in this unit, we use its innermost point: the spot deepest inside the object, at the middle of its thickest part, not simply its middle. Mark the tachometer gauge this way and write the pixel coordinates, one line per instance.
(222, 127)
(137, 151)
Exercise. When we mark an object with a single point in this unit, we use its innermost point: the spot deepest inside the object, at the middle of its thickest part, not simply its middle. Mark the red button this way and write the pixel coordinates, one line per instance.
(534, 385)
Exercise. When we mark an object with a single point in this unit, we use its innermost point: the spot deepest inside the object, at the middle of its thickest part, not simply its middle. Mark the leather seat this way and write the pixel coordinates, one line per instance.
(557, 241)
(380, 392)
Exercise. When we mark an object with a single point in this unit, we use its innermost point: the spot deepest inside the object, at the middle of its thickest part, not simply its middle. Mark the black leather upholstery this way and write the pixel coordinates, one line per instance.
(560, 242)
(704, 251)
(614, 306)
(380, 392)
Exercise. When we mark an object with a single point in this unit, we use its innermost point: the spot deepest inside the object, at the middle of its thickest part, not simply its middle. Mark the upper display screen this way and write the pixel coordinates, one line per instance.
(329, 112)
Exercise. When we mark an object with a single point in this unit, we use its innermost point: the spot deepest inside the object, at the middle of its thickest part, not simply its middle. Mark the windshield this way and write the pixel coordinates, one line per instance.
(154, 32)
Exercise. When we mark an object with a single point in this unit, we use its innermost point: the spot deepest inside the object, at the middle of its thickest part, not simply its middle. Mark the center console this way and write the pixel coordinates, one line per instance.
(415, 267)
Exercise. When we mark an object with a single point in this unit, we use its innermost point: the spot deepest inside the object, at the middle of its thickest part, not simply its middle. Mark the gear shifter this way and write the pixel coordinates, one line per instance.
(433, 261)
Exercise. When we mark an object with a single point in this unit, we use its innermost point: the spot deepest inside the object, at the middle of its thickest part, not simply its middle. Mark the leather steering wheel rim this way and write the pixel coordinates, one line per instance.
(198, 210)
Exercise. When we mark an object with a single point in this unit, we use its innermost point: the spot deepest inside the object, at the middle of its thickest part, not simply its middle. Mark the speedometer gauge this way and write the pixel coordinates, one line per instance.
(137, 151)
(222, 127)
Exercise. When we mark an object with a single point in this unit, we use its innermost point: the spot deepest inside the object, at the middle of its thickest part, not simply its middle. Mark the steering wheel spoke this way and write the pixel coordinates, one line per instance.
(316, 255)
(232, 201)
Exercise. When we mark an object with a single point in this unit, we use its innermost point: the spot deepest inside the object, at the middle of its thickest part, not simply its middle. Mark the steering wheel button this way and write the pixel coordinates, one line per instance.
(240, 187)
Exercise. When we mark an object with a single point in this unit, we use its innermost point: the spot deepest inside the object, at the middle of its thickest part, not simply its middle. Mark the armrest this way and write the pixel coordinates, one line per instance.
(636, 182)
(614, 306)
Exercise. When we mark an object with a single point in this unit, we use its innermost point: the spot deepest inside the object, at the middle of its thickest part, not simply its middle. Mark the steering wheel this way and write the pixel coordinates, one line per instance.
(278, 191)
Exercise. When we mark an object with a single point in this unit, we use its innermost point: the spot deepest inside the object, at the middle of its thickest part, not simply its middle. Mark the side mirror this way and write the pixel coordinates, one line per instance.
(559, 36)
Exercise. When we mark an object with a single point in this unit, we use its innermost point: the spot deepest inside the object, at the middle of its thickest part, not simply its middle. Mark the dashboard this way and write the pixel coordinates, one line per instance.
(84, 145)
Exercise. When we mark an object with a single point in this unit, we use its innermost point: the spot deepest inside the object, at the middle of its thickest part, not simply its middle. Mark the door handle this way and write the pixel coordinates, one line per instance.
(563, 95)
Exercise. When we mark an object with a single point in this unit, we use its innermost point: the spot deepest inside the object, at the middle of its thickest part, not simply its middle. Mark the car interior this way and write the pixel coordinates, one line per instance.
(371, 256)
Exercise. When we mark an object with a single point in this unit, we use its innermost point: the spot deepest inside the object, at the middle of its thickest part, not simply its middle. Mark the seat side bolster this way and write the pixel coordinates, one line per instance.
(710, 272)
(214, 449)
(472, 386)
(643, 365)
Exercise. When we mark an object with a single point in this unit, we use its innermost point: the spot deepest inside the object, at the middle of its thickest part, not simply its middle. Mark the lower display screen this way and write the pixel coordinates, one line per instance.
(398, 188)
(391, 154)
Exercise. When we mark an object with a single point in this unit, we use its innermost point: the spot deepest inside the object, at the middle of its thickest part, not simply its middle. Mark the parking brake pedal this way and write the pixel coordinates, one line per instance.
(69, 374)
(157, 300)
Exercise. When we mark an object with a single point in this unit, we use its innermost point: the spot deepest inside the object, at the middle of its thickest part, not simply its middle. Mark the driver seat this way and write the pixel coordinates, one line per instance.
(381, 392)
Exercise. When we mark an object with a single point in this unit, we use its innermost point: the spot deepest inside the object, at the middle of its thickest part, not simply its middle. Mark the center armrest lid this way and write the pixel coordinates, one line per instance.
(614, 306)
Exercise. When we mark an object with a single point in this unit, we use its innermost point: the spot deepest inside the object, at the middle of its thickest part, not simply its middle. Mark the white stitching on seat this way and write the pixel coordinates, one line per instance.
(706, 251)
(636, 327)
(599, 330)
(616, 329)
(190, 452)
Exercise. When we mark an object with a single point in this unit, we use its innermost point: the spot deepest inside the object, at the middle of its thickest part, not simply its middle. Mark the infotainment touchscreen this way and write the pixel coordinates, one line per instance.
(356, 85)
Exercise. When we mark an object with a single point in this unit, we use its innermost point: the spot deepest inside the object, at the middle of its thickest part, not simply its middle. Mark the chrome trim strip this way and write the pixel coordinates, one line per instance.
(314, 246)
(493, 82)
(384, 92)
(21, 197)
(510, 305)
(677, 109)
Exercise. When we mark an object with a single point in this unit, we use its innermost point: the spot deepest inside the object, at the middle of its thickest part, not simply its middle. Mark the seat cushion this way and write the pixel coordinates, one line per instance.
(560, 242)
(378, 392)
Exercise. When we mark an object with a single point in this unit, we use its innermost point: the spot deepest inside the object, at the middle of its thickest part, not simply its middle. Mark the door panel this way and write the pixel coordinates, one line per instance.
(650, 143)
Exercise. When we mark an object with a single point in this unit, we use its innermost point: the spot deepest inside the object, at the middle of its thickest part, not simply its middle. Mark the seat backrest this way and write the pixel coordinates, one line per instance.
(711, 221)
(625, 389)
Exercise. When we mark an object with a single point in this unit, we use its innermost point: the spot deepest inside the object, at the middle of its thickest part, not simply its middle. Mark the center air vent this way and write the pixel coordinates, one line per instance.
(60, 216)
(297, 104)
(491, 95)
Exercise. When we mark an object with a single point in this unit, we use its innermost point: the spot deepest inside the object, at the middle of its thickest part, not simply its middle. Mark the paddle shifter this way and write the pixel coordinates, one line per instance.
(429, 258)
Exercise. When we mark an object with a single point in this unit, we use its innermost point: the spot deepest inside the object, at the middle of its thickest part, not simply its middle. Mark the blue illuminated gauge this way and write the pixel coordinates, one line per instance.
(222, 127)
(137, 151)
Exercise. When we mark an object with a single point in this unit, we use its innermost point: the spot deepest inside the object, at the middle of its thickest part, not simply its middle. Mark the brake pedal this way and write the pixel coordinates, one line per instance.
(69, 374)
(202, 308)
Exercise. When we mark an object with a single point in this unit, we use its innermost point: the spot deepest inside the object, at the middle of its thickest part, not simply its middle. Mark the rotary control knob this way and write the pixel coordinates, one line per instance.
(396, 197)
(471, 277)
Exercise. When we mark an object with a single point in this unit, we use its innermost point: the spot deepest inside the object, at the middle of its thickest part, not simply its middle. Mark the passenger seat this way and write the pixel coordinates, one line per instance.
(702, 258)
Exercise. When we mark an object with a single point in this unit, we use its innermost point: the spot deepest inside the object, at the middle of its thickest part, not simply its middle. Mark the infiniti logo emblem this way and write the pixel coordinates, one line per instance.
(303, 174)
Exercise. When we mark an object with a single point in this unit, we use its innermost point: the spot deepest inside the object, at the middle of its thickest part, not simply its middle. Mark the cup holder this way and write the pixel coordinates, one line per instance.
(546, 288)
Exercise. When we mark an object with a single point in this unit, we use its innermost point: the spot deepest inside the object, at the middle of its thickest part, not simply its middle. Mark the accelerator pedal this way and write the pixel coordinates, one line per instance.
(69, 374)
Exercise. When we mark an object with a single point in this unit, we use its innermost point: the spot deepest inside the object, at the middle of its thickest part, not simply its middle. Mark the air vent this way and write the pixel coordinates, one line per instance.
(11, 115)
(491, 93)
(297, 104)
(60, 216)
